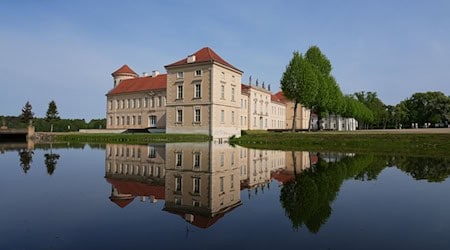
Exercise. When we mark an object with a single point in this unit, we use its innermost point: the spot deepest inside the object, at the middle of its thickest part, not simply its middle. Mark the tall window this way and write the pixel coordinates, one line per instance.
(222, 92)
(178, 181)
(110, 120)
(221, 184)
(128, 103)
(128, 120)
(232, 181)
(180, 91)
(180, 75)
(178, 159)
(152, 120)
(180, 115)
(139, 120)
(138, 103)
(232, 94)
(133, 120)
(197, 117)
(196, 160)
(110, 105)
(117, 120)
(160, 101)
(151, 152)
(145, 102)
(152, 102)
(117, 104)
(198, 90)
(223, 75)
(222, 116)
(196, 184)
(222, 159)
(232, 117)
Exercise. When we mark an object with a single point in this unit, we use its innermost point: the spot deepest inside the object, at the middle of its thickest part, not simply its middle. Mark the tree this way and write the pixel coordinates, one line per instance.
(299, 84)
(27, 114)
(52, 112)
(429, 107)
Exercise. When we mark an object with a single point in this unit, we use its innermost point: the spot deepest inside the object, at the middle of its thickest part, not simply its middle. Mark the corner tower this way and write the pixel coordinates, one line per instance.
(123, 73)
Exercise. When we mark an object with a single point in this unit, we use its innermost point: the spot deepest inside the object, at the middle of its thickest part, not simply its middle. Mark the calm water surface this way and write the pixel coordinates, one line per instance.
(214, 196)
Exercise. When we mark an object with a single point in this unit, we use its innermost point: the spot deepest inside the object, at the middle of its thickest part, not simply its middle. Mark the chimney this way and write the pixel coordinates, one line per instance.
(144, 74)
(191, 59)
(155, 73)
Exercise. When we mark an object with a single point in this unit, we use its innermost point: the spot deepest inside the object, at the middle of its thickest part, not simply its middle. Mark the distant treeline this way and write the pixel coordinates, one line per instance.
(59, 125)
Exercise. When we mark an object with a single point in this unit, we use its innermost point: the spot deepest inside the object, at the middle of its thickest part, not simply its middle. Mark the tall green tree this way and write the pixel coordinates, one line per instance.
(378, 108)
(27, 113)
(52, 112)
(428, 107)
(299, 83)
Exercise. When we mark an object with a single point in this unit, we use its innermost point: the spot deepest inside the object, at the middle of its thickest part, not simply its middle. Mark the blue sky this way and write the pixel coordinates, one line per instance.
(66, 50)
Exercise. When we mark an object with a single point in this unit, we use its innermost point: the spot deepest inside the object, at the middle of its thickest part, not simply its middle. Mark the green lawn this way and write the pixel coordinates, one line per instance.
(129, 138)
(397, 143)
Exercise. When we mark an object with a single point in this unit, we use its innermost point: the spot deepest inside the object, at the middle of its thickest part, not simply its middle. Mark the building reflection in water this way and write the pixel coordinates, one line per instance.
(200, 182)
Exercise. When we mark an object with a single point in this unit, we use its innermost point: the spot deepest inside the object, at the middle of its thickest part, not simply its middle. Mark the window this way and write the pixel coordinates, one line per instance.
(232, 158)
(110, 121)
(138, 103)
(117, 120)
(123, 120)
(152, 121)
(133, 120)
(128, 120)
(128, 103)
(222, 116)
(197, 117)
(161, 101)
(133, 103)
(196, 203)
(232, 94)
(222, 159)
(139, 120)
(196, 184)
(254, 107)
(223, 75)
(145, 102)
(151, 152)
(180, 92)
(221, 184)
(232, 181)
(198, 72)
(110, 105)
(232, 117)
(233, 78)
(198, 90)
(117, 104)
(242, 103)
(152, 102)
(178, 181)
(180, 75)
(178, 159)
(179, 115)
(196, 160)
(222, 92)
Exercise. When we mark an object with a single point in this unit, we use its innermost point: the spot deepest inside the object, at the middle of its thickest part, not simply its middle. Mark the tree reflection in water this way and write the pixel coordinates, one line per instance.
(308, 197)
(50, 162)
(25, 158)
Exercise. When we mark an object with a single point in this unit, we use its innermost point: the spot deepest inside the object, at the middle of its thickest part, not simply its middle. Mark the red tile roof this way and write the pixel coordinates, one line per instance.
(140, 84)
(122, 202)
(138, 189)
(280, 96)
(205, 55)
(124, 70)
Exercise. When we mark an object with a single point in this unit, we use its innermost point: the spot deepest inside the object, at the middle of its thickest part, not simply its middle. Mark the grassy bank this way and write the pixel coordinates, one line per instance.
(391, 143)
(124, 138)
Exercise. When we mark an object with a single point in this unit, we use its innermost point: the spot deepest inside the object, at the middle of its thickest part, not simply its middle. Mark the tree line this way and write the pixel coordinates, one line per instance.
(52, 122)
(308, 81)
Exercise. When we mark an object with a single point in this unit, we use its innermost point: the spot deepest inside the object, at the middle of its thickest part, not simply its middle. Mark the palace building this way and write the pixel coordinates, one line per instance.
(200, 94)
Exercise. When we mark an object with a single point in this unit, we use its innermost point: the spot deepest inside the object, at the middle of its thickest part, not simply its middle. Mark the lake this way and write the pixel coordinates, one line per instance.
(215, 196)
